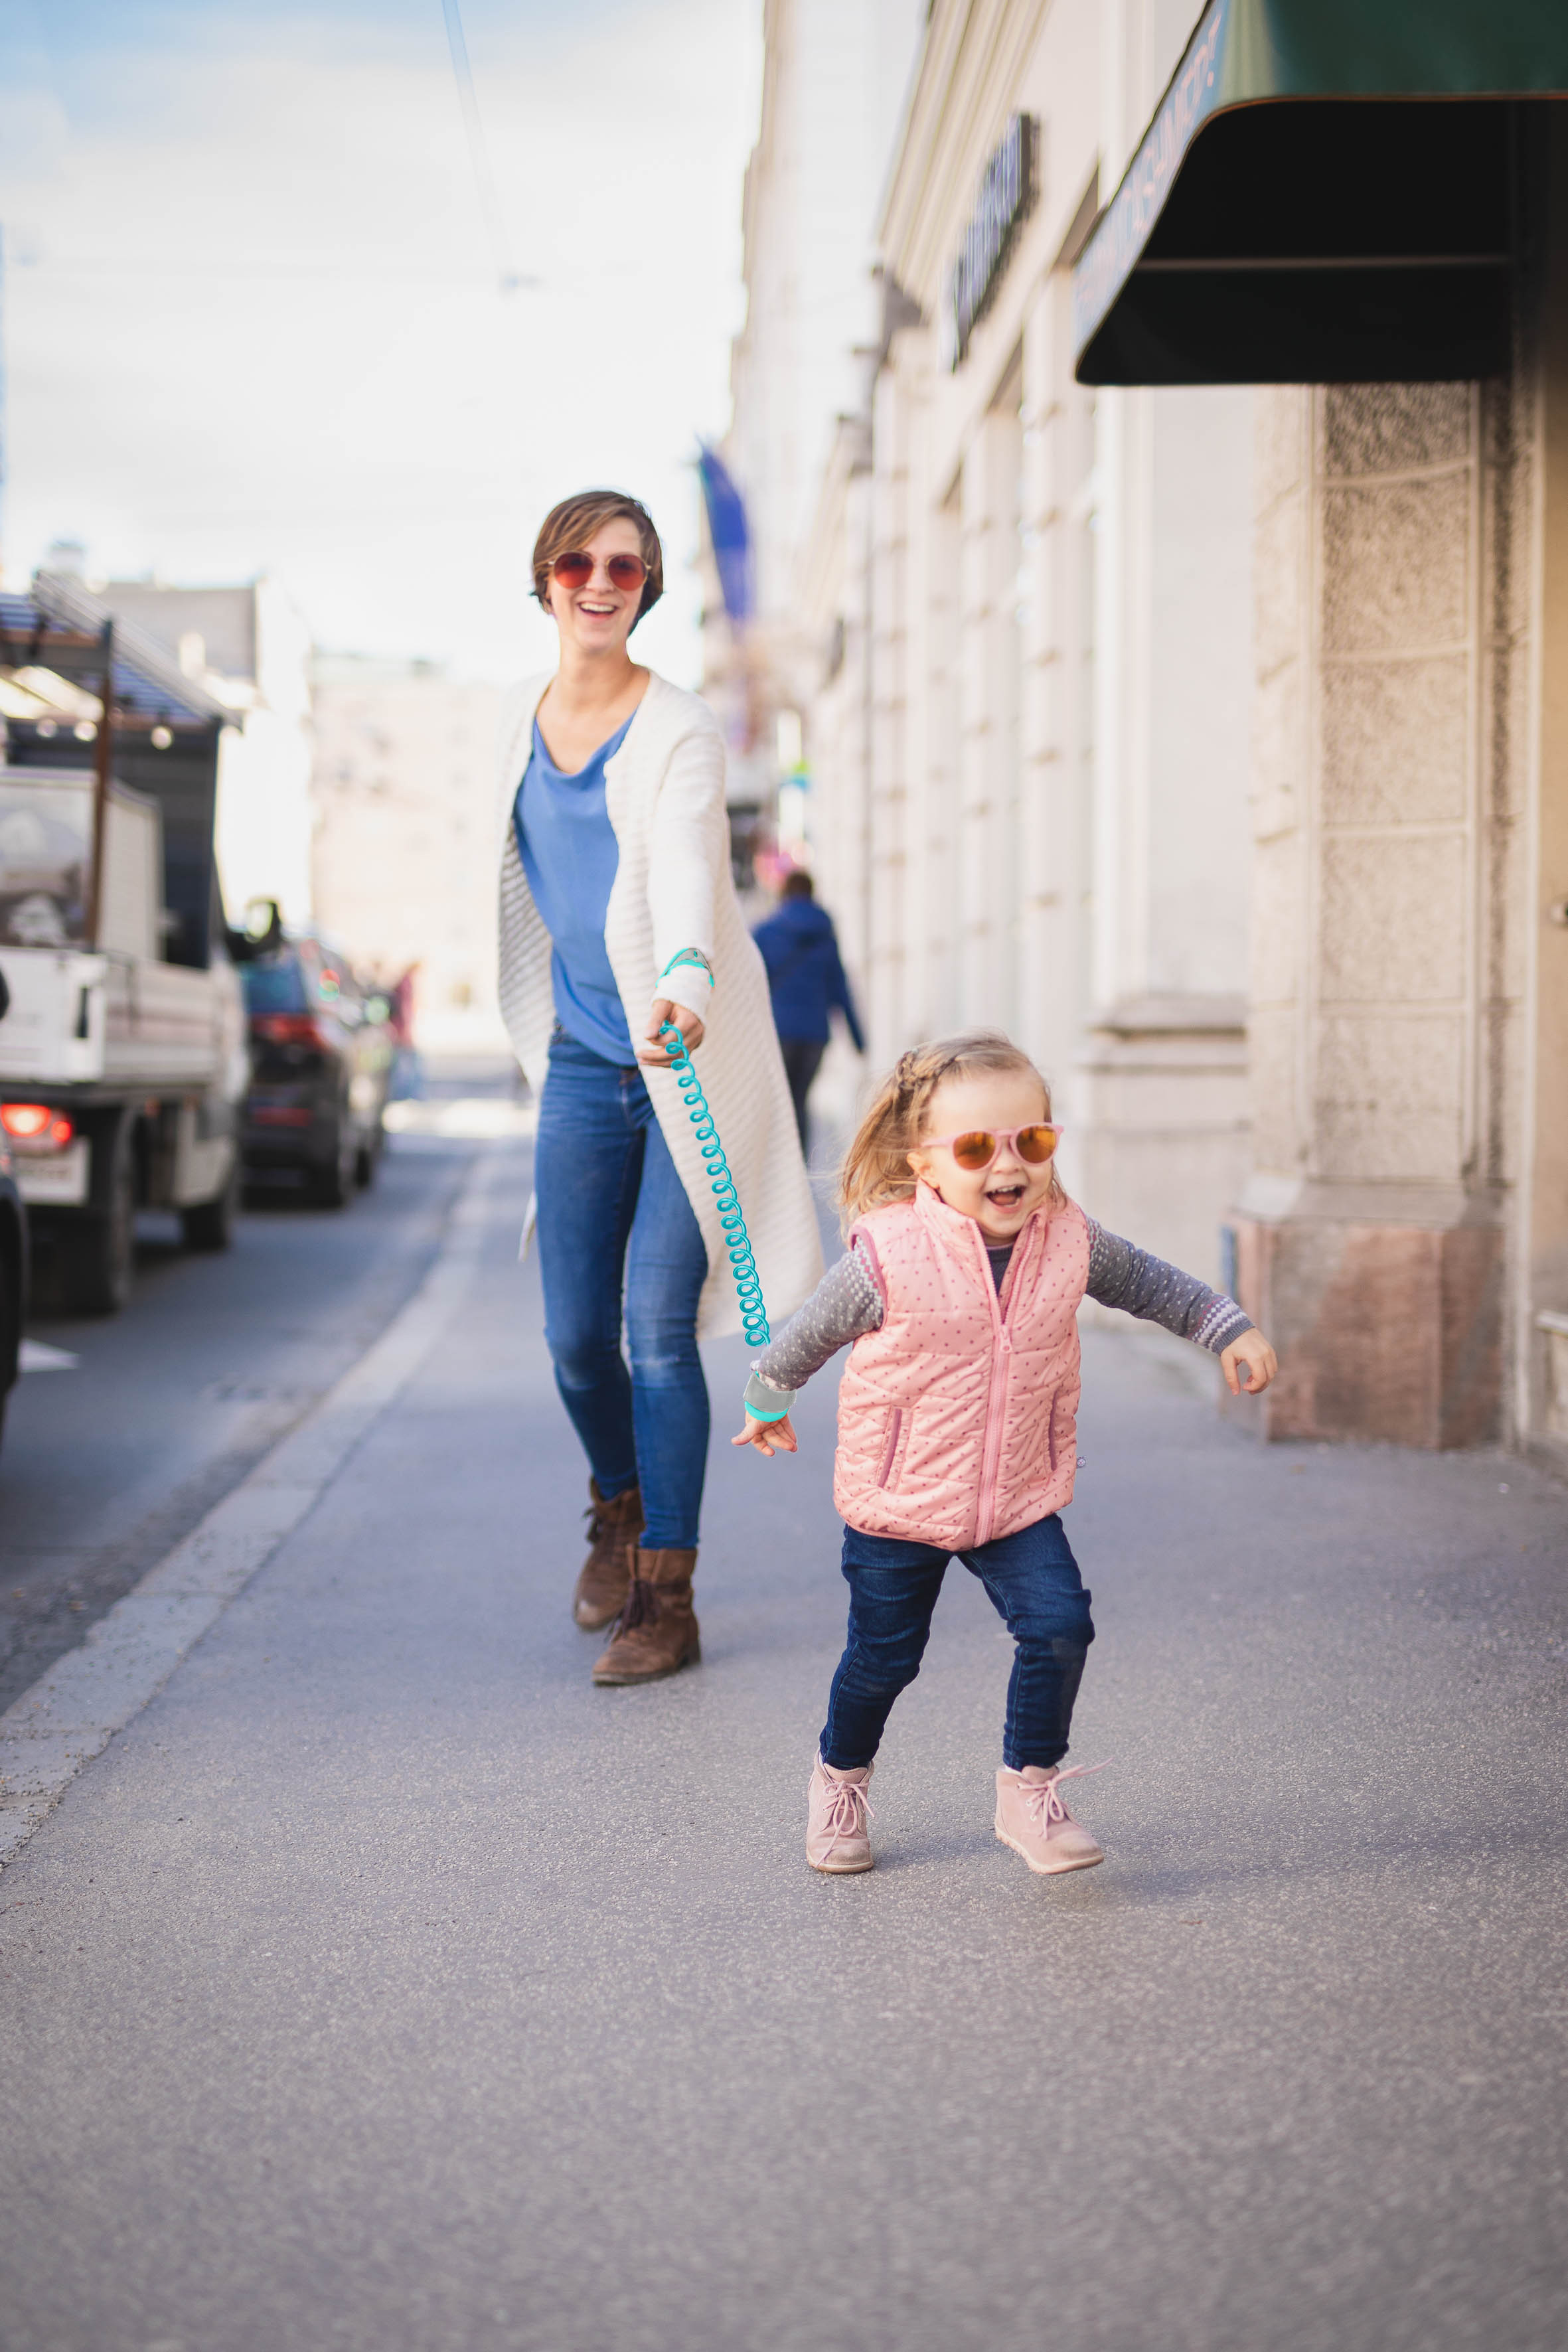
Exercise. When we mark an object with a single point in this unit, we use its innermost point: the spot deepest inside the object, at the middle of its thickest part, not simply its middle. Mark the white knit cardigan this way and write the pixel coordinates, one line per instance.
(664, 791)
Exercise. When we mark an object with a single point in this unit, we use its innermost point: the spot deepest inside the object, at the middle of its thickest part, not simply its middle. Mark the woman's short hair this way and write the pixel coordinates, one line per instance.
(573, 523)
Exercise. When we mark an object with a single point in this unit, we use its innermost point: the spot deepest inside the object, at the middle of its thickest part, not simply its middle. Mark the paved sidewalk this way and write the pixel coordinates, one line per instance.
(384, 1986)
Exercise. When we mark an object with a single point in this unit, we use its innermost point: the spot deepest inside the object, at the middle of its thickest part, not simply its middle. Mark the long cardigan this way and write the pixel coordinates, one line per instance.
(664, 791)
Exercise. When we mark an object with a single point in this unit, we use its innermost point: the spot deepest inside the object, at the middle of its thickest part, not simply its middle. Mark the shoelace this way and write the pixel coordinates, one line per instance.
(1043, 1795)
(849, 1810)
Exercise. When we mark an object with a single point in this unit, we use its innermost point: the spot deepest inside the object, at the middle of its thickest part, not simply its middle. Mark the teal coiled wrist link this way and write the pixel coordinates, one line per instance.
(737, 1241)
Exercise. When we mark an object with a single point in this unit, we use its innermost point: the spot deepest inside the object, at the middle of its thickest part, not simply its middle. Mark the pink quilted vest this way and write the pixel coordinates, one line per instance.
(957, 1421)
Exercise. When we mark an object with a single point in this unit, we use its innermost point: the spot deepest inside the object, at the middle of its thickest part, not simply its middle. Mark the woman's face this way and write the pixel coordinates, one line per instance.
(598, 618)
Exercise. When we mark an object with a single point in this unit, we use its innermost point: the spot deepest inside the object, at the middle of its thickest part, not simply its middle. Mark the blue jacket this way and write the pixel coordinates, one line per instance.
(804, 974)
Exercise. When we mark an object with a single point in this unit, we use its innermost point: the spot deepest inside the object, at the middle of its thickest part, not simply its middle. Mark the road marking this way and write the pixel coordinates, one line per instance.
(72, 1712)
(38, 1356)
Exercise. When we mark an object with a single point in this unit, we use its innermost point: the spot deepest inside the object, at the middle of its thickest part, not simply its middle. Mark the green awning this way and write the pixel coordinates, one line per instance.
(1327, 191)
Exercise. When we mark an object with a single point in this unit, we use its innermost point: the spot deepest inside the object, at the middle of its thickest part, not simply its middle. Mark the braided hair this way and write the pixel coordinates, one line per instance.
(875, 1167)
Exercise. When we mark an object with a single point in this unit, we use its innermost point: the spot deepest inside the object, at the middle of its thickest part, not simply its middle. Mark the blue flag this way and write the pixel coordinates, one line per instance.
(728, 530)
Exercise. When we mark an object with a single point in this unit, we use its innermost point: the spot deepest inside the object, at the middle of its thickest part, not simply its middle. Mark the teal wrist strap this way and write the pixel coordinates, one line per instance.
(689, 960)
(752, 1414)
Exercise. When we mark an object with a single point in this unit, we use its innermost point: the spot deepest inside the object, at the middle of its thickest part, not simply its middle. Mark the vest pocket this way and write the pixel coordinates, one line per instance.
(890, 1445)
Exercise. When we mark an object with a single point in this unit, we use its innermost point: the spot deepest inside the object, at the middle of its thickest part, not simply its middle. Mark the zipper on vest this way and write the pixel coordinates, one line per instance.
(996, 1395)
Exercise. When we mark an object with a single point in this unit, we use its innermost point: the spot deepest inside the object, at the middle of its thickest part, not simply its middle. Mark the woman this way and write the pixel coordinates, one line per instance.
(617, 914)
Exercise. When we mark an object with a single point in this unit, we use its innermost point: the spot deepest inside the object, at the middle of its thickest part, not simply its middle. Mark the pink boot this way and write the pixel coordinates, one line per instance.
(837, 1838)
(1033, 1819)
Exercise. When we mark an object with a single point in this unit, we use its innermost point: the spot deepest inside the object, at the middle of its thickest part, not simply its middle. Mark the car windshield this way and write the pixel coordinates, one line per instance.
(274, 985)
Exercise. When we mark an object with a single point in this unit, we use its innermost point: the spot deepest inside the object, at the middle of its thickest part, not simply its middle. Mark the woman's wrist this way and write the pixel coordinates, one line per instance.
(687, 979)
(689, 960)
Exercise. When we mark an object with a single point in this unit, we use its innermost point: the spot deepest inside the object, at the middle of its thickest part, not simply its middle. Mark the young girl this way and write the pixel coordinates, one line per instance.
(960, 1292)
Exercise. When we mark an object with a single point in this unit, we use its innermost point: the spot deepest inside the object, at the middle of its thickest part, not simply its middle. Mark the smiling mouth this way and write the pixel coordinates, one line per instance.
(1005, 1196)
(597, 612)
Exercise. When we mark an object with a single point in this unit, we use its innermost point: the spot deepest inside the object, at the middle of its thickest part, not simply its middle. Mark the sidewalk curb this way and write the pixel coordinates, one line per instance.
(72, 1712)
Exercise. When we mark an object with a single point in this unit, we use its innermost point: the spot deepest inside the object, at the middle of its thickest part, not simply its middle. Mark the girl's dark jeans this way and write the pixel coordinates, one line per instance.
(617, 1237)
(1035, 1587)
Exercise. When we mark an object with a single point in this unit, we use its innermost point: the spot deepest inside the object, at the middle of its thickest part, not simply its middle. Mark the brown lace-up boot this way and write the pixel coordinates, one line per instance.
(601, 1592)
(655, 1632)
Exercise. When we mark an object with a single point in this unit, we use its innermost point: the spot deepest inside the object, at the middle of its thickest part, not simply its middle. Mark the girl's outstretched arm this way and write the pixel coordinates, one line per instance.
(847, 1302)
(1121, 1274)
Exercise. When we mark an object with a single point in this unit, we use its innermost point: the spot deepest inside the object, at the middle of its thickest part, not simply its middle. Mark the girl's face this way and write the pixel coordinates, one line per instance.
(1000, 1198)
(598, 618)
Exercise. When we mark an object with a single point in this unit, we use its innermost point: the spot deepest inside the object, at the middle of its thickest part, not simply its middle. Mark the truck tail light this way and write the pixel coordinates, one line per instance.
(36, 1126)
(287, 1029)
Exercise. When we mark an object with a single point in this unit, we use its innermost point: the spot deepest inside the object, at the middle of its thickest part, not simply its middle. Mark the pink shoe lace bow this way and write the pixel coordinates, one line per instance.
(1043, 1793)
(849, 1810)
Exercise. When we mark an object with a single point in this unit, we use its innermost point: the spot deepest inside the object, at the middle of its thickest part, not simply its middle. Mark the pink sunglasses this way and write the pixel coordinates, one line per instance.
(978, 1146)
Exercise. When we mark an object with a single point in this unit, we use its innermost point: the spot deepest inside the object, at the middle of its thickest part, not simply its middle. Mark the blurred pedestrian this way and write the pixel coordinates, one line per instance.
(618, 915)
(408, 1069)
(806, 982)
(958, 1298)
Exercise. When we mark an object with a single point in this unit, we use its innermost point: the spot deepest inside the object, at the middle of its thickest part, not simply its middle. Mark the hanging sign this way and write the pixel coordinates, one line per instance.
(1007, 199)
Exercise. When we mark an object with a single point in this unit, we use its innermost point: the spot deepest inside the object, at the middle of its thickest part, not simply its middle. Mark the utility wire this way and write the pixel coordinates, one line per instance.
(478, 155)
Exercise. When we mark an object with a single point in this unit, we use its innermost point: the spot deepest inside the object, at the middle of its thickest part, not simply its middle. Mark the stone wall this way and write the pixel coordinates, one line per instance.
(1391, 769)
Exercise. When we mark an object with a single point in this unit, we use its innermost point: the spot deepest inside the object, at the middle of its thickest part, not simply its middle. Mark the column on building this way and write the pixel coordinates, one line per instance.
(1160, 1093)
(1393, 654)
(1057, 692)
(990, 557)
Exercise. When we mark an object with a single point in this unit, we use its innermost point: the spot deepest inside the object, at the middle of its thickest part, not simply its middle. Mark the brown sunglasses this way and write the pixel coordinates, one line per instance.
(575, 569)
(979, 1147)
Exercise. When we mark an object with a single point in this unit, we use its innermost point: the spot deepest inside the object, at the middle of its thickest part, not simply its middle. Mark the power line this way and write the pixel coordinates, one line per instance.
(478, 155)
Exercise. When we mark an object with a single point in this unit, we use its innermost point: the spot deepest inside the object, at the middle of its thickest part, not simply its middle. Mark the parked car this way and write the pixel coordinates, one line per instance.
(13, 1255)
(321, 1056)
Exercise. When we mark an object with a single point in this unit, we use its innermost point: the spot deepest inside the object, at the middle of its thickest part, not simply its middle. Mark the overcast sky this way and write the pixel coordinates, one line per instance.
(252, 320)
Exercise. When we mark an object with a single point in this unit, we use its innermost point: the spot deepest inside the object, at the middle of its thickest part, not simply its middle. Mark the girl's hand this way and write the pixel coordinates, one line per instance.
(769, 1437)
(1248, 1363)
(689, 1024)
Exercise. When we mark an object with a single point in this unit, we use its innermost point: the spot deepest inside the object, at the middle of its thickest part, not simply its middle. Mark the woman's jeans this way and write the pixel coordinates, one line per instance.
(1035, 1587)
(614, 1218)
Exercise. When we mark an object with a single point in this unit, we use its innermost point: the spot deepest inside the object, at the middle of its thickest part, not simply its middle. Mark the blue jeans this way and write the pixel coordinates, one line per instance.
(1035, 1588)
(617, 1233)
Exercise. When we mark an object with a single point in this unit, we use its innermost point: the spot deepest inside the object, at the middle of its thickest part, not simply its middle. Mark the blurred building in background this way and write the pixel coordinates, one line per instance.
(835, 81)
(403, 862)
(1017, 615)
(251, 648)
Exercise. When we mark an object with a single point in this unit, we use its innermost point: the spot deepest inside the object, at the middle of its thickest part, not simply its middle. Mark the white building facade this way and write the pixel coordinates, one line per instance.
(1023, 619)
(250, 647)
(404, 858)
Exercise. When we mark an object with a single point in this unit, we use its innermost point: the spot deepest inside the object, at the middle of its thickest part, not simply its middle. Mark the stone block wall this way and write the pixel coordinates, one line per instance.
(1390, 767)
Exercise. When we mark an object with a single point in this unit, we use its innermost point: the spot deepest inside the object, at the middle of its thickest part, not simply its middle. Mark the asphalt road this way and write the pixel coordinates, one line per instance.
(385, 1986)
(107, 1462)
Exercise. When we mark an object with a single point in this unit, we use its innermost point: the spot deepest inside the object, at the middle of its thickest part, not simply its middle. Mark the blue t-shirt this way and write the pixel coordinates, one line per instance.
(570, 853)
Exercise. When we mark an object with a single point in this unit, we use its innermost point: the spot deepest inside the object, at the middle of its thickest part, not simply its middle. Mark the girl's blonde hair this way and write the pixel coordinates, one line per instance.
(876, 1167)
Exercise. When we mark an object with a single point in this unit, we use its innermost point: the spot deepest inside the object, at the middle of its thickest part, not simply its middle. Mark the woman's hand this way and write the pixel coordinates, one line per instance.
(1248, 1363)
(768, 1436)
(689, 1024)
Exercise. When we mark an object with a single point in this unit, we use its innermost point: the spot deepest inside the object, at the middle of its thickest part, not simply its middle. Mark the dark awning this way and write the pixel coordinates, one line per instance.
(1326, 194)
(59, 628)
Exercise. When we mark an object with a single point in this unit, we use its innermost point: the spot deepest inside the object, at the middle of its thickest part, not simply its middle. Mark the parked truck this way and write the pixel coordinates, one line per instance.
(123, 1059)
